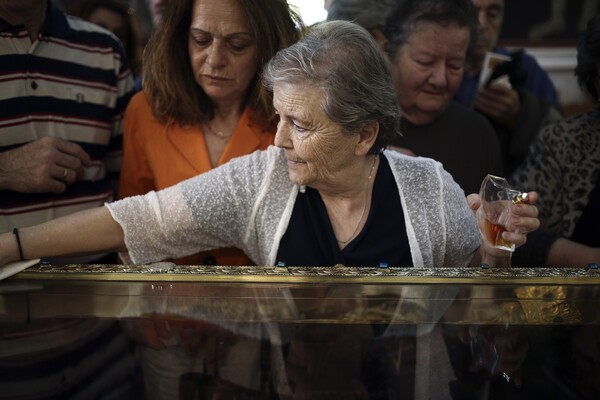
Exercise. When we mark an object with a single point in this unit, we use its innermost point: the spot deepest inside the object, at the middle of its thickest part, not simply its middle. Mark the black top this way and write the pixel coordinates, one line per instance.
(310, 240)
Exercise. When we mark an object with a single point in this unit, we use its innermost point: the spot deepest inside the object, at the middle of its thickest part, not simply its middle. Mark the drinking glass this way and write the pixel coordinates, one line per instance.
(493, 216)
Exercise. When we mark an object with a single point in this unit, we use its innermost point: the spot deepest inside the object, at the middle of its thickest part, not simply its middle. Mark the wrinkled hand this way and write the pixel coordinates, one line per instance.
(500, 103)
(40, 166)
(523, 219)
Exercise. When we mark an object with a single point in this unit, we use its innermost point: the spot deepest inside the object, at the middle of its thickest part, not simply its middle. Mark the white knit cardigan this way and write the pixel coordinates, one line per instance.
(247, 203)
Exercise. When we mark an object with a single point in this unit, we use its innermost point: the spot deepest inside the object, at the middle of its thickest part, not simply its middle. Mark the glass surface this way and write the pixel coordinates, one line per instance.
(201, 332)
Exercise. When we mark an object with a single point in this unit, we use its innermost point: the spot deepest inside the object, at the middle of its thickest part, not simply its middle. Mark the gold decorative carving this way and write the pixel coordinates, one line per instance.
(166, 271)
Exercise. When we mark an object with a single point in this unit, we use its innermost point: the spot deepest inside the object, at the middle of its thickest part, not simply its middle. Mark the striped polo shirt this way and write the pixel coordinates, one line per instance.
(74, 83)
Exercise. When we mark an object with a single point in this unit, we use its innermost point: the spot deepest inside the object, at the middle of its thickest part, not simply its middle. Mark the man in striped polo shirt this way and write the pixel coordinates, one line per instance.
(64, 86)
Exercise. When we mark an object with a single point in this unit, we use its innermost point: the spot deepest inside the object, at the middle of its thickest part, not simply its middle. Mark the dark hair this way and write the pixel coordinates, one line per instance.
(410, 13)
(588, 57)
(168, 79)
(131, 42)
(343, 60)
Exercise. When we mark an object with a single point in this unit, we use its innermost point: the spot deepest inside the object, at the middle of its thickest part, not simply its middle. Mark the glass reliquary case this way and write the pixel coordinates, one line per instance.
(162, 331)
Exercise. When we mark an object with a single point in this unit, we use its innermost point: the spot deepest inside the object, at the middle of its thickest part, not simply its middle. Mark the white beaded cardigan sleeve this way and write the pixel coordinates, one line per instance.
(245, 203)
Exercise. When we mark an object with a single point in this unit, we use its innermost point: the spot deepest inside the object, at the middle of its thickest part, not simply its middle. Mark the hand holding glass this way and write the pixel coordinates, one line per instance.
(493, 216)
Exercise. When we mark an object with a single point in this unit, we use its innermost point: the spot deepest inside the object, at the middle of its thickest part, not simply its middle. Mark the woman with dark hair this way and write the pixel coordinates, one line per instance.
(202, 102)
(564, 168)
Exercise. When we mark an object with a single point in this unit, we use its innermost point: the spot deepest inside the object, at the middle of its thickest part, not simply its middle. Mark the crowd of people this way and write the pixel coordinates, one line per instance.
(243, 137)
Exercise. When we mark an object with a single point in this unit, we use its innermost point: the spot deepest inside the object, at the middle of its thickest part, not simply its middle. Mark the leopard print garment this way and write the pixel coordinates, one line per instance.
(563, 167)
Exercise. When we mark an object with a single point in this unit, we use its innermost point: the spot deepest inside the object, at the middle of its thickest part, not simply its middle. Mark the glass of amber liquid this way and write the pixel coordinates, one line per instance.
(493, 217)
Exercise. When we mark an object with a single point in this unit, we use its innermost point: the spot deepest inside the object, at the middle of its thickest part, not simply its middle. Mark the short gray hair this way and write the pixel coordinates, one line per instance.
(367, 13)
(343, 60)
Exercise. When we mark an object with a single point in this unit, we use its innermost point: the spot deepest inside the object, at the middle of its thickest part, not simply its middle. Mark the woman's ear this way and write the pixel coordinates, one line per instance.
(368, 134)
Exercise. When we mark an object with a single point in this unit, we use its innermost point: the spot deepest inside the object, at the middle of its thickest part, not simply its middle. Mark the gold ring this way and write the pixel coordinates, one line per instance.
(65, 173)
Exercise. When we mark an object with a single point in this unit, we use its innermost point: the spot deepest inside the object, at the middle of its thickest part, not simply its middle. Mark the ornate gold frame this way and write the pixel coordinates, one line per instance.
(170, 272)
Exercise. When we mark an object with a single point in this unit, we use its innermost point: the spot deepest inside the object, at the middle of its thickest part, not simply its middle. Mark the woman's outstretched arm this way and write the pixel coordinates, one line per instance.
(86, 232)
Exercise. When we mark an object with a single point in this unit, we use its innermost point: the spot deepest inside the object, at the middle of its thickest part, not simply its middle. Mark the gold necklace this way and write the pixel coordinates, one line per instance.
(362, 214)
(218, 134)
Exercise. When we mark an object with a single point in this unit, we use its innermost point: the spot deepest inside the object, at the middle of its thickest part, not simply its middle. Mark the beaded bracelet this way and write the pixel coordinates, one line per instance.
(16, 233)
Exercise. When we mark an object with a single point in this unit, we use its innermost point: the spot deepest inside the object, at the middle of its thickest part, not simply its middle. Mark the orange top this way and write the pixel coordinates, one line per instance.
(157, 156)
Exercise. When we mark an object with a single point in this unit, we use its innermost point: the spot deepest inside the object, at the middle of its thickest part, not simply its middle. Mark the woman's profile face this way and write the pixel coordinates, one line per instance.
(316, 148)
(222, 50)
(427, 70)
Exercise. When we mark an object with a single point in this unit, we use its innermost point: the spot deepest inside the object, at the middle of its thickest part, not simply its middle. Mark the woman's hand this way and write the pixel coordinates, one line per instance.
(523, 219)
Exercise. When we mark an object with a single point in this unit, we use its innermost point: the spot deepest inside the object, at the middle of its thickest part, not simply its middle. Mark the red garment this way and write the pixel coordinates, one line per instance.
(157, 156)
